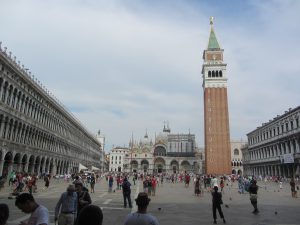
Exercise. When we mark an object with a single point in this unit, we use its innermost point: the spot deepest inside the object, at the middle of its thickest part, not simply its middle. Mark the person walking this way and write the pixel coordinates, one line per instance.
(66, 207)
(110, 183)
(222, 184)
(39, 214)
(154, 182)
(293, 188)
(197, 186)
(47, 181)
(92, 183)
(216, 204)
(141, 216)
(126, 192)
(253, 195)
(83, 197)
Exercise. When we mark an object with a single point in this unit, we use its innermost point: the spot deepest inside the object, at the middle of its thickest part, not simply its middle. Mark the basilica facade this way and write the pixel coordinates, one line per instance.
(168, 153)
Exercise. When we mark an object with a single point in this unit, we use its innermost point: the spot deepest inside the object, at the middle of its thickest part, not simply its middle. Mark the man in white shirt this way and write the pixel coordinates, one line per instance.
(214, 182)
(39, 214)
(141, 217)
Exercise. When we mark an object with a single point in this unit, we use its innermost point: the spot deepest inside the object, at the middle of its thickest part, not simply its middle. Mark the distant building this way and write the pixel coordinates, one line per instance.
(117, 159)
(101, 138)
(273, 149)
(237, 156)
(106, 162)
(170, 153)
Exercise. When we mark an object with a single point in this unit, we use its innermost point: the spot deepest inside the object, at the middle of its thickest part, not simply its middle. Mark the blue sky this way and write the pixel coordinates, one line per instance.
(127, 66)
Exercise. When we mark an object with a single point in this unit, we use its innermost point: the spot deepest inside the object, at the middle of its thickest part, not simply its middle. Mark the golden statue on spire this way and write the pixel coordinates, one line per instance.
(211, 20)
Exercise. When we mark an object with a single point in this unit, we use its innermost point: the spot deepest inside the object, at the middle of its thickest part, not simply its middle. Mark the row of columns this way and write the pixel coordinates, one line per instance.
(277, 149)
(282, 170)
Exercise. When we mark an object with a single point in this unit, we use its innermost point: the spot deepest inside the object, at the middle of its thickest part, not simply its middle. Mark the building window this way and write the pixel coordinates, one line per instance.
(209, 73)
(220, 74)
(236, 152)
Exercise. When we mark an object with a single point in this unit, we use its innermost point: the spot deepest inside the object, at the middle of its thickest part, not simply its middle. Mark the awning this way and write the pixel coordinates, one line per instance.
(82, 167)
(95, 168)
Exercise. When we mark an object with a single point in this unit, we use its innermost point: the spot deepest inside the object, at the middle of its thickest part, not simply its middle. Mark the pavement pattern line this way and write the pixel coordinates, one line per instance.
(107, 201)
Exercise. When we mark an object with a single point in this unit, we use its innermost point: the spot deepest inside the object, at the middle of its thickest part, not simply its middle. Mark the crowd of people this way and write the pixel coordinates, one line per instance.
(75, 204)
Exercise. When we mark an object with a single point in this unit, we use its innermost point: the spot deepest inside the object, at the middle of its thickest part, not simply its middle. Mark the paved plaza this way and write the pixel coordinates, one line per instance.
(175, 204)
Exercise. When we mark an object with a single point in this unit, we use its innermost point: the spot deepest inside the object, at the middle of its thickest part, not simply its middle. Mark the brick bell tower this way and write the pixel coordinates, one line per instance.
(216, 119)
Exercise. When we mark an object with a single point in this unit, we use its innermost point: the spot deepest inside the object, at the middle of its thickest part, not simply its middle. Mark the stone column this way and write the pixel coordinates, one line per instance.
(292, 146)
(297, 146)
(19, 166)
(39, 168)
(10, 167)
(1, 166)
(44, 166)
(47, 167)
(54, 169)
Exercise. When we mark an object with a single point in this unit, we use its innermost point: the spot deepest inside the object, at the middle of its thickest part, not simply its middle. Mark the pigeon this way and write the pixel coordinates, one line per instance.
(276, 212)
(227, 206)
(230, 198)
(159, 209)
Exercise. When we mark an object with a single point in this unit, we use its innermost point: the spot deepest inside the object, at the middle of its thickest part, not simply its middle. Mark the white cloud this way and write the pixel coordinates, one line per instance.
(124, 66)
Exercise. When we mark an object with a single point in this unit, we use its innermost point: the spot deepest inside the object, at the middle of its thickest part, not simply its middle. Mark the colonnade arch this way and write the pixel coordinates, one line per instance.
(159, 165)
(145, 165)
(33, 164)
(174, 166)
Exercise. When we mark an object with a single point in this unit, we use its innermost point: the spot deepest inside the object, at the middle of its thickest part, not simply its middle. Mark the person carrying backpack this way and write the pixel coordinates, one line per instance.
(126, 192)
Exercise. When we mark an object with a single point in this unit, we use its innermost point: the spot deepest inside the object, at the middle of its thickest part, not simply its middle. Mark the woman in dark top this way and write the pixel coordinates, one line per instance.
(253, 195)
(293, 187)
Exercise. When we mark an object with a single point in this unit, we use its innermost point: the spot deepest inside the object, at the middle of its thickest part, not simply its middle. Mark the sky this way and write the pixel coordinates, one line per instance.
(126, 66)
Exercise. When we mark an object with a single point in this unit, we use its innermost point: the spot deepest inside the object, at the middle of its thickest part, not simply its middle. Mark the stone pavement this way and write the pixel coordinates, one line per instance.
(175, 204)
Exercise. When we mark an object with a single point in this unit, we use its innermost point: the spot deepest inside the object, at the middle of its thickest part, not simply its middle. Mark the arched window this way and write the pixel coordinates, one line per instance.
(236, 152)
(213, 74)
(209, 73)
(217, 73)
(220, 73)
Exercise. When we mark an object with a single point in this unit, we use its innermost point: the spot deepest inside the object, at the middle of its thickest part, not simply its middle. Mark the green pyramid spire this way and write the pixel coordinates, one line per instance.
(212, 42)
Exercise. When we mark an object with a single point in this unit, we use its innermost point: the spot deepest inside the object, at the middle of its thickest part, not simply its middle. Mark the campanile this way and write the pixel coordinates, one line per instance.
(216, 119)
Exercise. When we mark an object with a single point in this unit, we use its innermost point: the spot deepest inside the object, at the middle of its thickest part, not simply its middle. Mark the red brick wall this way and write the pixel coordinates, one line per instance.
(216, 127)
